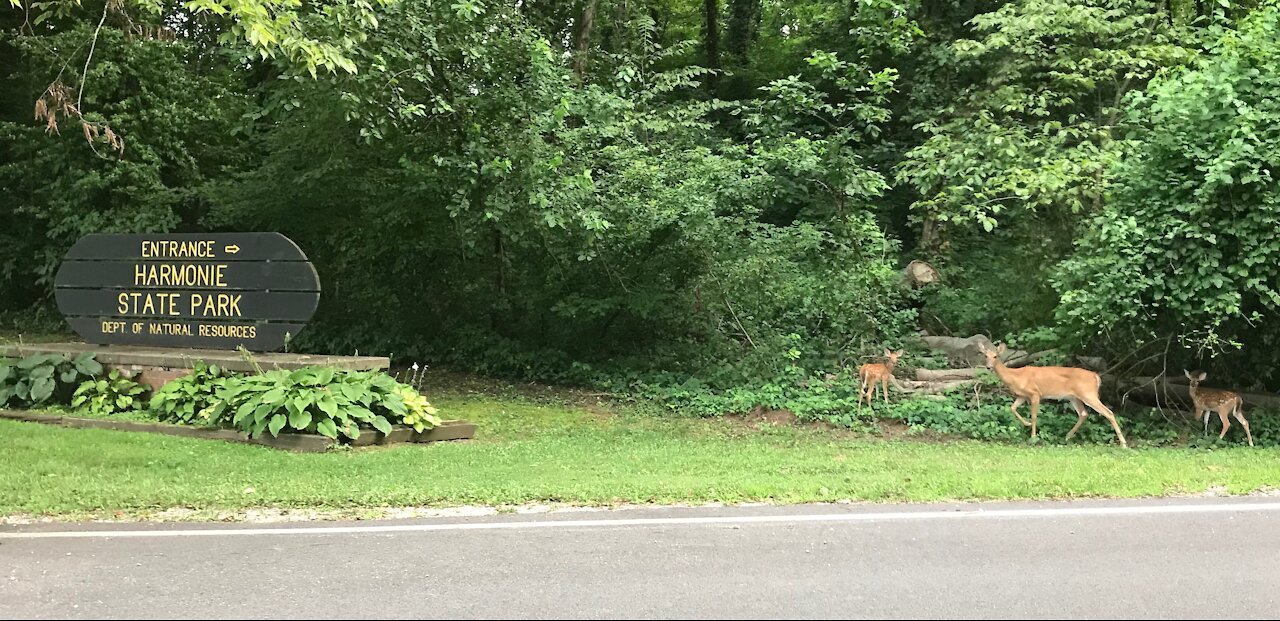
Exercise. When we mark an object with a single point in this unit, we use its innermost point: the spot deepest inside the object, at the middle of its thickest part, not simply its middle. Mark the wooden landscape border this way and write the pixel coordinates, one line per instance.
(296, 442)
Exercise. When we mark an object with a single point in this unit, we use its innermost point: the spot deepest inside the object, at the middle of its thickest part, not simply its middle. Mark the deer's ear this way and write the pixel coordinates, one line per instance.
(1200, 376)
(901, 352)
(886, 352)
(1000, 349)
(982, 347)
(1187, 373)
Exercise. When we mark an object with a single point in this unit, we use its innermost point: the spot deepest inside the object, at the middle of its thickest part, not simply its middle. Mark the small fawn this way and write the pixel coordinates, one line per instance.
(869, 374)
(1223, 402)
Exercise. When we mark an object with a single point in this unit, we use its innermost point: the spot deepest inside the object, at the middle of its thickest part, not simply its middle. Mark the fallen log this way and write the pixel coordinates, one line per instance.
(968, 351)
(921, 387)
(933, 375)
(1162, 392)
(1017, 359)
(965, 351)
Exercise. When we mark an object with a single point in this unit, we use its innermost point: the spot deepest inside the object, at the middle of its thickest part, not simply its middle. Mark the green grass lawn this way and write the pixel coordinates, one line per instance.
(531, 450)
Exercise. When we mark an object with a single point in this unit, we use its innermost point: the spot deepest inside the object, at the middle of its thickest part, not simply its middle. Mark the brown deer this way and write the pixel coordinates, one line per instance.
(1223, 402)
(869, 374)
(1079, 386)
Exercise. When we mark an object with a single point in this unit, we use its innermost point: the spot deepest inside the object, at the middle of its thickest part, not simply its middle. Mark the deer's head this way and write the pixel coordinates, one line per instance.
(891, 357)
(993, 355)
(1195, 378)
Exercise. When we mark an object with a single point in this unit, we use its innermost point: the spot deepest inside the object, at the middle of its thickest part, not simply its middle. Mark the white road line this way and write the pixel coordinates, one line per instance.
(967, 514)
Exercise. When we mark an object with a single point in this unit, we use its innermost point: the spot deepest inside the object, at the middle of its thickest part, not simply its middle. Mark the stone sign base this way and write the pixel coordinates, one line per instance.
(156, 366)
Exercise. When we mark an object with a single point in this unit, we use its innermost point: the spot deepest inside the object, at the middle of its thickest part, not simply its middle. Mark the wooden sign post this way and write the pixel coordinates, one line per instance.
(207, 291)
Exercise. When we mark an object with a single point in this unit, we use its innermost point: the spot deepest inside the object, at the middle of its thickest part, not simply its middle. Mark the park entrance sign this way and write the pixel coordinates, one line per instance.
(206, 291)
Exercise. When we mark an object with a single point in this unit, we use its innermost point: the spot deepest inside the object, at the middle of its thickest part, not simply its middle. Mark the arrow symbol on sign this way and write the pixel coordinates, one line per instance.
(232, 249)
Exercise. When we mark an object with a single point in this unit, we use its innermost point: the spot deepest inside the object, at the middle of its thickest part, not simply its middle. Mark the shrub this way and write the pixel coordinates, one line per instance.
(44, 378)
(108, 395)
(321, 400)
(190, 398)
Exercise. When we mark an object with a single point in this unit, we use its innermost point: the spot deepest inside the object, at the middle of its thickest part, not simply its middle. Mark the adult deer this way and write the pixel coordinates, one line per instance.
(1223, 402)
(870, 374)
(1079, 386)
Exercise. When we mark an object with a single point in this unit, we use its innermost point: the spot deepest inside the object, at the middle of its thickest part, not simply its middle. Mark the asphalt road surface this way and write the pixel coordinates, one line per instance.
(1182, 559)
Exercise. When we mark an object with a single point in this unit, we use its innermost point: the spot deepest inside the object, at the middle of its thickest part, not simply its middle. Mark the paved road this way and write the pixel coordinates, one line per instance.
(1191, 559)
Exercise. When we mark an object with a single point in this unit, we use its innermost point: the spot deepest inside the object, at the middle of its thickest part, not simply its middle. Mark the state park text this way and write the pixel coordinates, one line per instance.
(184, 275)
(208, 290)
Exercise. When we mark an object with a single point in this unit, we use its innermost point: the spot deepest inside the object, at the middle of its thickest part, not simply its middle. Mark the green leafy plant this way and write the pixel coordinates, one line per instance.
(190, 398)
(418, 412)
(107, 395)
(322, 400)
(44, 378)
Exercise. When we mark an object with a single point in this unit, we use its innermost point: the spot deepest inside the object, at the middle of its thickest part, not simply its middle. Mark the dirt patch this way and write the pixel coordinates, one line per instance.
(760, 417)
(898, 430)
(773, 417)
(599, 409)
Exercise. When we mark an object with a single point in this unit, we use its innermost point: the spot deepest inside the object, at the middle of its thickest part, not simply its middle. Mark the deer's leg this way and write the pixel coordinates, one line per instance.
(1017, 402)
(1035, 407)
(1097, 406)
(1239, 414)
(1081, 412)
(1206, 421)
(884, 388)
(1226, 422)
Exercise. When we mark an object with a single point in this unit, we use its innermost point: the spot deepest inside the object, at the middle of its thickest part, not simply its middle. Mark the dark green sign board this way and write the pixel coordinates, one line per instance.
(208, 291)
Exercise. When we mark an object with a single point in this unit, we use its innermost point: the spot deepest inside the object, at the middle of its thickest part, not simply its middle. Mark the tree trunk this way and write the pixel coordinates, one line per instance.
(711, 40)
(582, 34)
(744, 16)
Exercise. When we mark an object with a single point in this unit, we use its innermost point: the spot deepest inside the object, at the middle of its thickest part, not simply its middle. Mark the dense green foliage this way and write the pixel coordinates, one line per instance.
(310, 400)
(715, 212)
(106, 395)
(44, 378)
(1188, 245)
(320, 400)
(189, 399)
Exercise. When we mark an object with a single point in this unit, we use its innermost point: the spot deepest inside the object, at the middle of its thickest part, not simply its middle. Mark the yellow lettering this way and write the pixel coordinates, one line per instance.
(216, 304)
(139, 274)
(148, 307)
(219, 279)
(122, 303)
(172, 300)
(173, 249)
